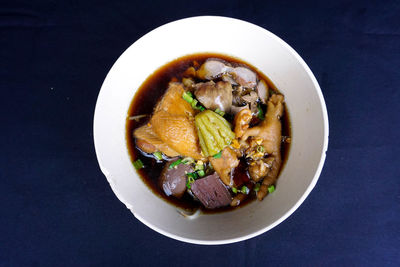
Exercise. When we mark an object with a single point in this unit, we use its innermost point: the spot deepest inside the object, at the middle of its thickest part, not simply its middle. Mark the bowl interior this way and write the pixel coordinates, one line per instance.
(267, 53)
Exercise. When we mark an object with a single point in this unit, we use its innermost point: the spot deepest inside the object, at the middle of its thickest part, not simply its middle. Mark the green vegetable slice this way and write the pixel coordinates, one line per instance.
(271, 188)
(219, 112)
(214, 132)
(138, 164)
(260, 113)
(218, 155)
(175, 163)
(158, 155)
(188, 97)
(245, 190)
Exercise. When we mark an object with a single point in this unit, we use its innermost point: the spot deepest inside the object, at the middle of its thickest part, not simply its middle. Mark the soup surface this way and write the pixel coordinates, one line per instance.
(187, 154)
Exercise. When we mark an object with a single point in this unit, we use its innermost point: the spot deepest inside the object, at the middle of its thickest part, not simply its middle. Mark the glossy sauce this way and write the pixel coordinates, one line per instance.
(145, 99)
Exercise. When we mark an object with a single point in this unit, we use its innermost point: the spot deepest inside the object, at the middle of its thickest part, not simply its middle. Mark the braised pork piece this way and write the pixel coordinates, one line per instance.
(208, 131)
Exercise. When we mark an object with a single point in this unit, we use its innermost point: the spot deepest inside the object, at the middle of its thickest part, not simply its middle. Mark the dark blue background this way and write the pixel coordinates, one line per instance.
(56, 207)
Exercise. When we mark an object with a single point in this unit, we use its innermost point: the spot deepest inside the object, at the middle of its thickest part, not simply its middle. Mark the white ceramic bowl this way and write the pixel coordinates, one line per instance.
(254, 45)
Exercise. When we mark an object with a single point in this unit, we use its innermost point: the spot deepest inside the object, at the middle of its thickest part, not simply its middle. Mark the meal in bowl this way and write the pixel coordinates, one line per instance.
(208, 131)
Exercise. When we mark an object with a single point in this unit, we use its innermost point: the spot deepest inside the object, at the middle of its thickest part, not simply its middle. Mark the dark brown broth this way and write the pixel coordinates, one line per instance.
(146, 98)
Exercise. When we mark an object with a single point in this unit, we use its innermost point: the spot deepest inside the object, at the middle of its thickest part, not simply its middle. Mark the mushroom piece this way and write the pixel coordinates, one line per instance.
(215, 95)
(244, 77)
(251, 99)
(212, 69)
(262, 91)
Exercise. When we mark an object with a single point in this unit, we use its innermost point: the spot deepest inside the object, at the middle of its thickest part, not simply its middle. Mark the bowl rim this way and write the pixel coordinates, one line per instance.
(301, 199)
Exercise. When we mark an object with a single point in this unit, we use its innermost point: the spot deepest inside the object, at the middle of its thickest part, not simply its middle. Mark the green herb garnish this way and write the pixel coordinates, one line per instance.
(175, 163)
(158, 155)
(260, 113)
(220, 112)
(234, 190)
(194, 103)
(245, 190)
(188, 97)
(218, 155)
(193, 175)
(138, 164)
(201, 173)
(271, 188)
(260, 149)
(257, 187)
(189, 182)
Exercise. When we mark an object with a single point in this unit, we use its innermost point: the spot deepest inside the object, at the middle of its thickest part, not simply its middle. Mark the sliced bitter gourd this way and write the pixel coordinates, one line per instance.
(214, 132)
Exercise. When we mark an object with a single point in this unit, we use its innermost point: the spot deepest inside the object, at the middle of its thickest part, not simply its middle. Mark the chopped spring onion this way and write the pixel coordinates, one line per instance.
(260, 149)
(175, 163)
(245, 190)
(189, 182)
(193, 175)
(158, 155)
(198, 107)
(257, 187)
(220, 112)
(201, 173)
(234, 190)
(187, 160)
(188, 97)
(138, 164)
(271, 188)
(260, 113)
(194, 103)
(199, 165)
(218, 155)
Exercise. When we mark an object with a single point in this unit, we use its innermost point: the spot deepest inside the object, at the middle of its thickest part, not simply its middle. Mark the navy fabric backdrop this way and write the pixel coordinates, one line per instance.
(56, 207)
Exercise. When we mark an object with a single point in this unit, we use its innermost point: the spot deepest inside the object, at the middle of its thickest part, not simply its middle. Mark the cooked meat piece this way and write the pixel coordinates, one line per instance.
(178, 132)
(212, 69)
(241, 122)
(260, 168)
(270, 179)
(173, 123)
(215, 95)
(173, 181)
(244, 77)
(238, 199)
(211, 192)
(225, 164)
(262, 91)
(270, 131)
(173, 103)
(149, 142)
(235, 109)
(270, 128)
